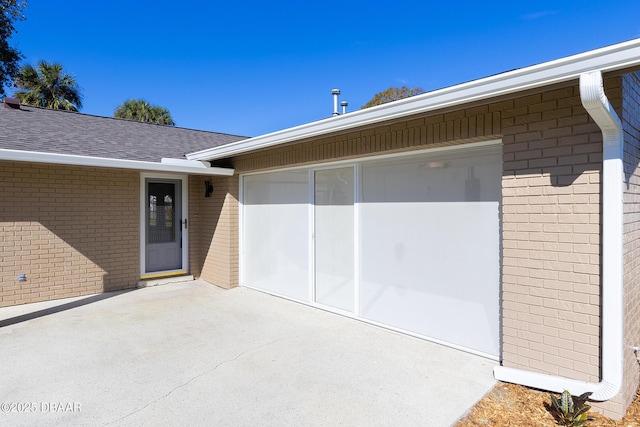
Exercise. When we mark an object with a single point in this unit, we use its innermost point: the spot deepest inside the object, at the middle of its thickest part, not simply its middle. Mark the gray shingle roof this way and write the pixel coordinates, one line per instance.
(62, 132)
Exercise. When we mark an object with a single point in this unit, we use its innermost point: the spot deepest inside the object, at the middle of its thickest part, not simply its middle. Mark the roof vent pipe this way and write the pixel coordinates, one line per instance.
(335, 93)
(344, 104)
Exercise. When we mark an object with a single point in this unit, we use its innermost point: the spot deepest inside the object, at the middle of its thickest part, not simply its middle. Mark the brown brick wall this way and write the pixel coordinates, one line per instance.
(72, 230)
(214, 231)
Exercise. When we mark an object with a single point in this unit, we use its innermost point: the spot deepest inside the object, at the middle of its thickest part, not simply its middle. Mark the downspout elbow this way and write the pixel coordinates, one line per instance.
(597, 105)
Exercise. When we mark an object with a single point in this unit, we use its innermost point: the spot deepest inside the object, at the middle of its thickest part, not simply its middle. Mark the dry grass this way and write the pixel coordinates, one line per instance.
(512, 405)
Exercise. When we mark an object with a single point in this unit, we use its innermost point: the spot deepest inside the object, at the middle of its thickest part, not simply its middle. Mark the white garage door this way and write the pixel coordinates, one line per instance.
(411, 242)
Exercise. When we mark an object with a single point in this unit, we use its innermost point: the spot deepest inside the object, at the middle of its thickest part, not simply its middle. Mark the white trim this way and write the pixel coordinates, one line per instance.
(184, 179)
(240, 228)
(186, 163)
(167, 165)
(185, 226)
(311, 215)
(612, 285)
(357, 179)
(619, 56)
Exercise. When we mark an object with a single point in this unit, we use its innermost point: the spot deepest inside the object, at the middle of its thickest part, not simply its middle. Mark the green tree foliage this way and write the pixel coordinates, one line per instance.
(392, 94)
(9, 56)
(141, 111)
(48, 86)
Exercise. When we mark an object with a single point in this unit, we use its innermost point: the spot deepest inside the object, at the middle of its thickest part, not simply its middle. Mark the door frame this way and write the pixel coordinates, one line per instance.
(143, 223)
(312, 241)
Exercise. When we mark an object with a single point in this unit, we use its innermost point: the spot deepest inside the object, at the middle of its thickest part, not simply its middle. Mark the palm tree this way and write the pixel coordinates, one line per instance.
(48, 86)
(141, 111)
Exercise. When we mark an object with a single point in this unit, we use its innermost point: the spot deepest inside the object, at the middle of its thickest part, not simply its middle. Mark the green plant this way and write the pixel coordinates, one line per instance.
(571, 410)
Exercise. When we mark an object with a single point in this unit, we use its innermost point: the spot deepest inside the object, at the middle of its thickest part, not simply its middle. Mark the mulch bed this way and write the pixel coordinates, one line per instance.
(513, 405)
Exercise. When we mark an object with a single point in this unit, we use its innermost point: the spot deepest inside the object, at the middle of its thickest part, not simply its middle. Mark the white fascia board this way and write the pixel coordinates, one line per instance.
(619, 56)
(186, 166)
(184, 162)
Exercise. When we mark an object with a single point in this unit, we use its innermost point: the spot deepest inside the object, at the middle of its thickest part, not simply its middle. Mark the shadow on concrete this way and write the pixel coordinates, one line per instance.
(62, 307)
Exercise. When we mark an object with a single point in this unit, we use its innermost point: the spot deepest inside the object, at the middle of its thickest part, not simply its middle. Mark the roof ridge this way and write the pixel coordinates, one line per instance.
(128, 120)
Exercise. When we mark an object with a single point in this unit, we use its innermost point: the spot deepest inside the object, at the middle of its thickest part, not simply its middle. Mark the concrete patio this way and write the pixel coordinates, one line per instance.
(193, 354)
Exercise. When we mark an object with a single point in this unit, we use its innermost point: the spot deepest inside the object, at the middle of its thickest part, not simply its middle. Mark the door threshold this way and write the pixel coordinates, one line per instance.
(166, 279)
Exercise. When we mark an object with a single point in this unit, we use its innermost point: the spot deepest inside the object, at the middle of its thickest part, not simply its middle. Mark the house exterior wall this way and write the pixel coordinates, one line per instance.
(551, 236)
(71, 230)
(213, 236)
(448, 128)
(631, 125)
(551, 218)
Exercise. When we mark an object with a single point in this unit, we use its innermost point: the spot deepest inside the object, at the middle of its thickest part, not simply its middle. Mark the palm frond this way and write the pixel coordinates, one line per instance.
(48, 86)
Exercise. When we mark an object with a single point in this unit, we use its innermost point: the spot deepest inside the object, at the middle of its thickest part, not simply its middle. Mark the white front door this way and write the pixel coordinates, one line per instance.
(163, 225)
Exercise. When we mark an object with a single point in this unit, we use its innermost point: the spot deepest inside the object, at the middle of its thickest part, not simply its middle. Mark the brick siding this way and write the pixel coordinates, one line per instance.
(631, 125)
(551, 236)
(214, 230)
(456, 127)
(72, 230)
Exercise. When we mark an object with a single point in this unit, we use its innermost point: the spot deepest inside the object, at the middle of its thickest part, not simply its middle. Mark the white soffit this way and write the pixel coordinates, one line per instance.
(615, 57)
(166, 165)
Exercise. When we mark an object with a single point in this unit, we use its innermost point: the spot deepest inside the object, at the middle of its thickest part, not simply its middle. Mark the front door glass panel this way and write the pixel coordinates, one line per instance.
(163, 249)
(161, 213)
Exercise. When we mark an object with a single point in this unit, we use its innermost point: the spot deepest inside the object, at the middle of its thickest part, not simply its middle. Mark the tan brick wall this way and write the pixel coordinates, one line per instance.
(551, 236)
(214, 231)
(631, 125)
(72, 230)
(442, 129)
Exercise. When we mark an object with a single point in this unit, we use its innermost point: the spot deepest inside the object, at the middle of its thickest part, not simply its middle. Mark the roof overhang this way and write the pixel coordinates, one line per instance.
(611, 58)
(193, 167)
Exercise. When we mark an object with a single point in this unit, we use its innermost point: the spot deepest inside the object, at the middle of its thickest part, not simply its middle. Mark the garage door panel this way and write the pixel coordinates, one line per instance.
(275, 229)
(426, 228)
(464, 323)
(429, 247)
(434, 278)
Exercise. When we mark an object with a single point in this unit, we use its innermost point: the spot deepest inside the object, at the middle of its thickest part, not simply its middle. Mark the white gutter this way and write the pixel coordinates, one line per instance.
(597, 105)
(619, 56)
(166, 165)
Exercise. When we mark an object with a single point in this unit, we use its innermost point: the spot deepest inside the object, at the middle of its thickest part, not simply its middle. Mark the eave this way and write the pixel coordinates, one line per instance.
(166, 165)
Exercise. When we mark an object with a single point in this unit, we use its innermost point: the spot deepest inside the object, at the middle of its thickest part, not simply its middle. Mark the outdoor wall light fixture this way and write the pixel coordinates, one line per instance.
(208, 189)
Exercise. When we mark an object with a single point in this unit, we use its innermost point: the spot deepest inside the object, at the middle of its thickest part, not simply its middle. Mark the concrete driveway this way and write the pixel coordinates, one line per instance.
(193, 354)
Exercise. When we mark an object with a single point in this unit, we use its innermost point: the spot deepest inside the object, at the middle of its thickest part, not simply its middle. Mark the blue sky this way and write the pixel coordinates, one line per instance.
(249, 67)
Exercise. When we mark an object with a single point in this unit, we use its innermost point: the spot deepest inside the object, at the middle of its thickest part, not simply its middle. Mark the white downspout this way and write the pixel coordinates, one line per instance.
(597, 105)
